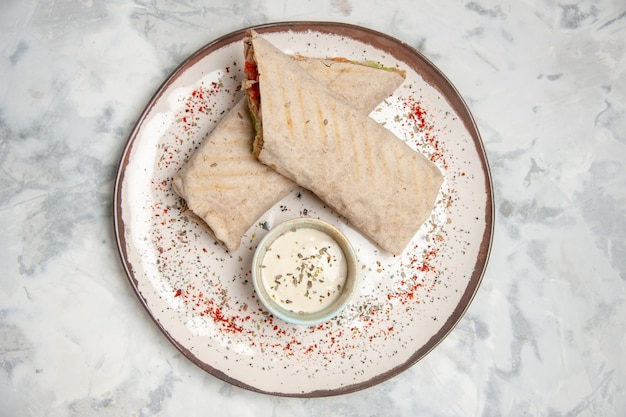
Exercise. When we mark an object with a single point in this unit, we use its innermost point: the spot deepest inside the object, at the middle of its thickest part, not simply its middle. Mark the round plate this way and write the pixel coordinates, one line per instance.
(202, 297)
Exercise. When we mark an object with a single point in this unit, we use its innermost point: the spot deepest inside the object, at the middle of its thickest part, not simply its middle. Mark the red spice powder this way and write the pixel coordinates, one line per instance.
(423, 131)
(206, 306)
(417, 270)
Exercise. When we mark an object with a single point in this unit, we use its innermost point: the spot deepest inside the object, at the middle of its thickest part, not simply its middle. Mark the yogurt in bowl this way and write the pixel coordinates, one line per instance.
(304, 271)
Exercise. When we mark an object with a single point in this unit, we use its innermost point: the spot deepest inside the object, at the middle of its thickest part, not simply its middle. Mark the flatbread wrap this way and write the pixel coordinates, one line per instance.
(226, 189)
(307, 133)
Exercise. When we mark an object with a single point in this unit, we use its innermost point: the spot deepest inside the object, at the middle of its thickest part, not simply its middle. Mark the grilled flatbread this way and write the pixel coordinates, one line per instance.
(308, 134)
(226, 189)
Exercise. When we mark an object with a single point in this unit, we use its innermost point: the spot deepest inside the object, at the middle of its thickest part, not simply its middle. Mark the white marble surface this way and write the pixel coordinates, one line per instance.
(545, 335)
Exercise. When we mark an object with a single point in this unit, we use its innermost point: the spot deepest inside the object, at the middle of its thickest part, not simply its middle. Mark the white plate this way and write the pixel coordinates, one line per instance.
(202, 297)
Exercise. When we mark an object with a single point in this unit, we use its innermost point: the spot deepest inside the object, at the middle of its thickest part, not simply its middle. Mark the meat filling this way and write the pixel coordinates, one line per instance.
(253, 93)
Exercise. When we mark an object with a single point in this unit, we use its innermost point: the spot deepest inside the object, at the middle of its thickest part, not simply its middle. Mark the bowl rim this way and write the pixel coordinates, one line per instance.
(327, 313)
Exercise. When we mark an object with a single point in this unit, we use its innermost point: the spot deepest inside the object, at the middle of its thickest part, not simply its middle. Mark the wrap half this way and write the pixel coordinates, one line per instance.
(226, 189)
(312, 136)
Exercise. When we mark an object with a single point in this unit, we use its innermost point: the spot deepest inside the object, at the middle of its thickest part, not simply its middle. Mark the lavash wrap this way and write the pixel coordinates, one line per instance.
(309, 134)
(226, 189)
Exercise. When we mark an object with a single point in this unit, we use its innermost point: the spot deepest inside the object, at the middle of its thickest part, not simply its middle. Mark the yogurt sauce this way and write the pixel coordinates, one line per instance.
(304, 270)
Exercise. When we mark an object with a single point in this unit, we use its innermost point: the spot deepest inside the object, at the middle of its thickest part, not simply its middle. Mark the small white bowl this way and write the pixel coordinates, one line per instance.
(313, 275)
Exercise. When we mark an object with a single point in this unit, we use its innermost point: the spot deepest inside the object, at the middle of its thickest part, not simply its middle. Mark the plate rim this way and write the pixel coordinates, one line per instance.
(433, 76)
